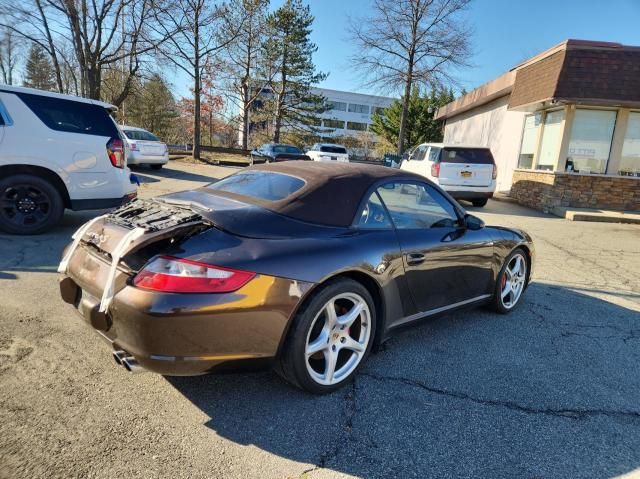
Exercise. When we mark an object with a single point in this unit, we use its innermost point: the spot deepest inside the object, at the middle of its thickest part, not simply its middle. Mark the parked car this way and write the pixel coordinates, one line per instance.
(56, 152)
(392, 161)
(304, 266)
(273, 152)
(465, 172)
(328, 152)
(145, 148)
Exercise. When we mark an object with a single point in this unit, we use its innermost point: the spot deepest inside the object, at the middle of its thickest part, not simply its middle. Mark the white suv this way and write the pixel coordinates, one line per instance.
(465, 172)
(145, 148)
(56, 152)
(328, 152)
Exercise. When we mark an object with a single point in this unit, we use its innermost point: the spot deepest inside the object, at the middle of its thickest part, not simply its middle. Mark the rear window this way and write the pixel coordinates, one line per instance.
(481, 156)
(140, 135)
(71, 116)
(261, 185)
(333, 149)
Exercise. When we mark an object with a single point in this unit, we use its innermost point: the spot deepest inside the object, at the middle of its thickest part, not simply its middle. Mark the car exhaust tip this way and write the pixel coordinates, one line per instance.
(118, 356)
(131, 364)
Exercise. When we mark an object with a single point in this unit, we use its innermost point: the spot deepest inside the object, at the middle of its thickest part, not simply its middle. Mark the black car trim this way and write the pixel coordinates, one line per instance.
(431, 312)
(100, 203)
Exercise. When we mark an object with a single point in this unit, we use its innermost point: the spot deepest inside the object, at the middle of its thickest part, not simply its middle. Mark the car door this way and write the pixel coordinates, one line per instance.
(446, 264)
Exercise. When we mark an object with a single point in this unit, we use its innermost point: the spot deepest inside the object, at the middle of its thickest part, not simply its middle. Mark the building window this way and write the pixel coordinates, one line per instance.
(333, 123)
(630, 162)
(377, 109)
(355, 108)
(590, 141)
(551, 136)
(337, 105)
(353, 125)
(529, 137)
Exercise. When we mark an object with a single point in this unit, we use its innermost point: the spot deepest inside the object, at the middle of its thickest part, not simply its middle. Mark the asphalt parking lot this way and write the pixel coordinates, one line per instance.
(550, 391)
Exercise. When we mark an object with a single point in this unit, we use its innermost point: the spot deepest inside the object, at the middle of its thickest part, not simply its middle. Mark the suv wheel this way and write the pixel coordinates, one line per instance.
(480, 202)
(28, 205)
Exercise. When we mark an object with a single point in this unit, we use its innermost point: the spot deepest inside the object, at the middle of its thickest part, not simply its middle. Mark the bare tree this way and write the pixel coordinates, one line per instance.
(9, 52)
(407, 43)
(244, 57)
(196, 31)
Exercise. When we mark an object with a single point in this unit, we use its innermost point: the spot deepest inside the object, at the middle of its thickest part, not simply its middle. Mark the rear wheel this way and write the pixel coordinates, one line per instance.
(480, 202)
(330, 338)
(156, 166)
(511, 282)
(28, 205)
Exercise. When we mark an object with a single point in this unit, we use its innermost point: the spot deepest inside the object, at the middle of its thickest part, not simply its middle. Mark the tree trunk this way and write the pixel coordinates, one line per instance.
(195, 152)
(405, 107)
(52, 48)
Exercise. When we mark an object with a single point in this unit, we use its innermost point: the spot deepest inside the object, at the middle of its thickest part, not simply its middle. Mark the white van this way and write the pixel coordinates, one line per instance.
(57, 151)
(328, 152)
(465, 172)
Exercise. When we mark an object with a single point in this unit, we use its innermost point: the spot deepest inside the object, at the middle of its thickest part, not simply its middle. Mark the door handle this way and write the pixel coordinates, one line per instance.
(415, 258)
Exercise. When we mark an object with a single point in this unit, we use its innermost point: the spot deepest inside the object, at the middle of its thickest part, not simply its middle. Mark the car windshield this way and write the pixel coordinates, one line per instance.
(286, 149)
(333, 149)
(467, 155)
(261, 185)
(140, 135)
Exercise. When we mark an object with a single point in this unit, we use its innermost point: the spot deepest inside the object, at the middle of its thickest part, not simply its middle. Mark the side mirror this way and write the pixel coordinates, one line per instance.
(473, 222)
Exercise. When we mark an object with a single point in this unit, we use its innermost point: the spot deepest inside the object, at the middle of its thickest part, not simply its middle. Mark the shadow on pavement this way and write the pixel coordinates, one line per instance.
(549, 391)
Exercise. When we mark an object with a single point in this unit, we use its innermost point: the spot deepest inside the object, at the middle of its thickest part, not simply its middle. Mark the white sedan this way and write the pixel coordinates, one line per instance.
(145, 148)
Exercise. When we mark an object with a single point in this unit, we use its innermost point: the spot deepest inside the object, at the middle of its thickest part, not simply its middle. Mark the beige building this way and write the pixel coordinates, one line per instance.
(564, 126)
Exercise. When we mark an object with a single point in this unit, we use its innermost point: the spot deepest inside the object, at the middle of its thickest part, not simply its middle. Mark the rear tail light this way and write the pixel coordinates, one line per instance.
(176, 275)
(435, 170)
(133, 146)
(494, 175)
(115, 151)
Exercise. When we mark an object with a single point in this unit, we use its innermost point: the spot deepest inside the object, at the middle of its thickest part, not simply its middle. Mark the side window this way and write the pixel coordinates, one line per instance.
(417, 206)
(434, 154)
(418, 155)
(373, 215)
(71, 116)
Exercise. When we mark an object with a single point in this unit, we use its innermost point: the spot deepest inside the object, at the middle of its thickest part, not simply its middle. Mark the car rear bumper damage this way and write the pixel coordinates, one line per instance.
(169, 333)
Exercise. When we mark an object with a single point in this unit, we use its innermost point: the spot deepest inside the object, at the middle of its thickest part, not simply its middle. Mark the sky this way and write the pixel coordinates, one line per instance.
(506, 32)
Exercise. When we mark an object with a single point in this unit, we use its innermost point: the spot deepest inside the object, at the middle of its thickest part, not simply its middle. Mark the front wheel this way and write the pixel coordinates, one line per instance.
(512, 280)
(28, 205)
(330, 338)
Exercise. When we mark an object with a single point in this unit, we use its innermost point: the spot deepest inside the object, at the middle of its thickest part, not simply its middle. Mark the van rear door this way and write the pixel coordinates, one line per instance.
(464, 166)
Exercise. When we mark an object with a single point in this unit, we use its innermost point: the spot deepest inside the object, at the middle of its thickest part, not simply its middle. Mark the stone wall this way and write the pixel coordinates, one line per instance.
(545, 191)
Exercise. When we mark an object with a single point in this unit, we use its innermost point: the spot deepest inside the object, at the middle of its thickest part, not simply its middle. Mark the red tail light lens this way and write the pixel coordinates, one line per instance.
(494, 175)
(115, 152)
(435, 170)
(176, 275)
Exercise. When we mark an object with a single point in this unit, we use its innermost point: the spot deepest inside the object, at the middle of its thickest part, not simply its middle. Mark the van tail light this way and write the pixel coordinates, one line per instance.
(494, 175)
(115, 151)
(435, 170)
(177, 275)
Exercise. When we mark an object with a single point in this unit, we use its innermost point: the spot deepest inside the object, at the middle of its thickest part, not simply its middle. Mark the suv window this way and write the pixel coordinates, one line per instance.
(419, 152)
(434, 153)
(467, 155)
(333, 149)
(417, 206)
(71, 116)
(261, 185)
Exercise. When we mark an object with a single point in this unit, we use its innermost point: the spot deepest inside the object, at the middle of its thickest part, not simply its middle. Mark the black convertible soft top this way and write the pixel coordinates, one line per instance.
(332, 191)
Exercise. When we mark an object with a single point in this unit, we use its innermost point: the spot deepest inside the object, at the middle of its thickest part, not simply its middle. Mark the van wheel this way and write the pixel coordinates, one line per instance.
(28, 205)
(479, 202)
(156, 166)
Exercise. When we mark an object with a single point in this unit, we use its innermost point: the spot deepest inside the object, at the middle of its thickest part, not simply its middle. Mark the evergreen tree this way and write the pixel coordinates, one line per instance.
(152, 107)
(421, 126)
(290, 56)
(39, 72)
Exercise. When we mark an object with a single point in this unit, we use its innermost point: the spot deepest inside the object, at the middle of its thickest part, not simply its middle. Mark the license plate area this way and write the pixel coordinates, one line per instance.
(466, 174)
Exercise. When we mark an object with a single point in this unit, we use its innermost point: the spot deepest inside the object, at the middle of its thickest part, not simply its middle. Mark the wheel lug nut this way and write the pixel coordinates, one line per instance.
(342, 340)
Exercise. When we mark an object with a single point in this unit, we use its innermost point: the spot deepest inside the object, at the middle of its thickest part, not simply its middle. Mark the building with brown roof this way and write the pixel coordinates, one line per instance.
(564, 126)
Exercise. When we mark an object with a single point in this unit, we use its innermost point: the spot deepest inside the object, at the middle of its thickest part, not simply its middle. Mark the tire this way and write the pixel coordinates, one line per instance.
(479, 202)
(311, 326)
(29, 205)
(506, 305)
(156, 166)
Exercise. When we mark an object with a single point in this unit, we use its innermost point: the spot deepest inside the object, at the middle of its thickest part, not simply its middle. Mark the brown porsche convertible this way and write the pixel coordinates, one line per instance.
(304, 266)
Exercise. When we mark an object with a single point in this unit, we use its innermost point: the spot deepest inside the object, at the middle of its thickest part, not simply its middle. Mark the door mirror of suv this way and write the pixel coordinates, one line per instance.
(473, 222)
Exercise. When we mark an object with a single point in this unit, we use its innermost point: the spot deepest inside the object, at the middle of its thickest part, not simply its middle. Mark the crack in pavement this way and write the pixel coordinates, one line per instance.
(512, 405)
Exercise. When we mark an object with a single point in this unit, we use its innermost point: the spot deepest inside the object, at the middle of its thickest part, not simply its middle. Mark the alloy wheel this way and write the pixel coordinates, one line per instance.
(513, 281)
(338, 338)
(25, 205)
